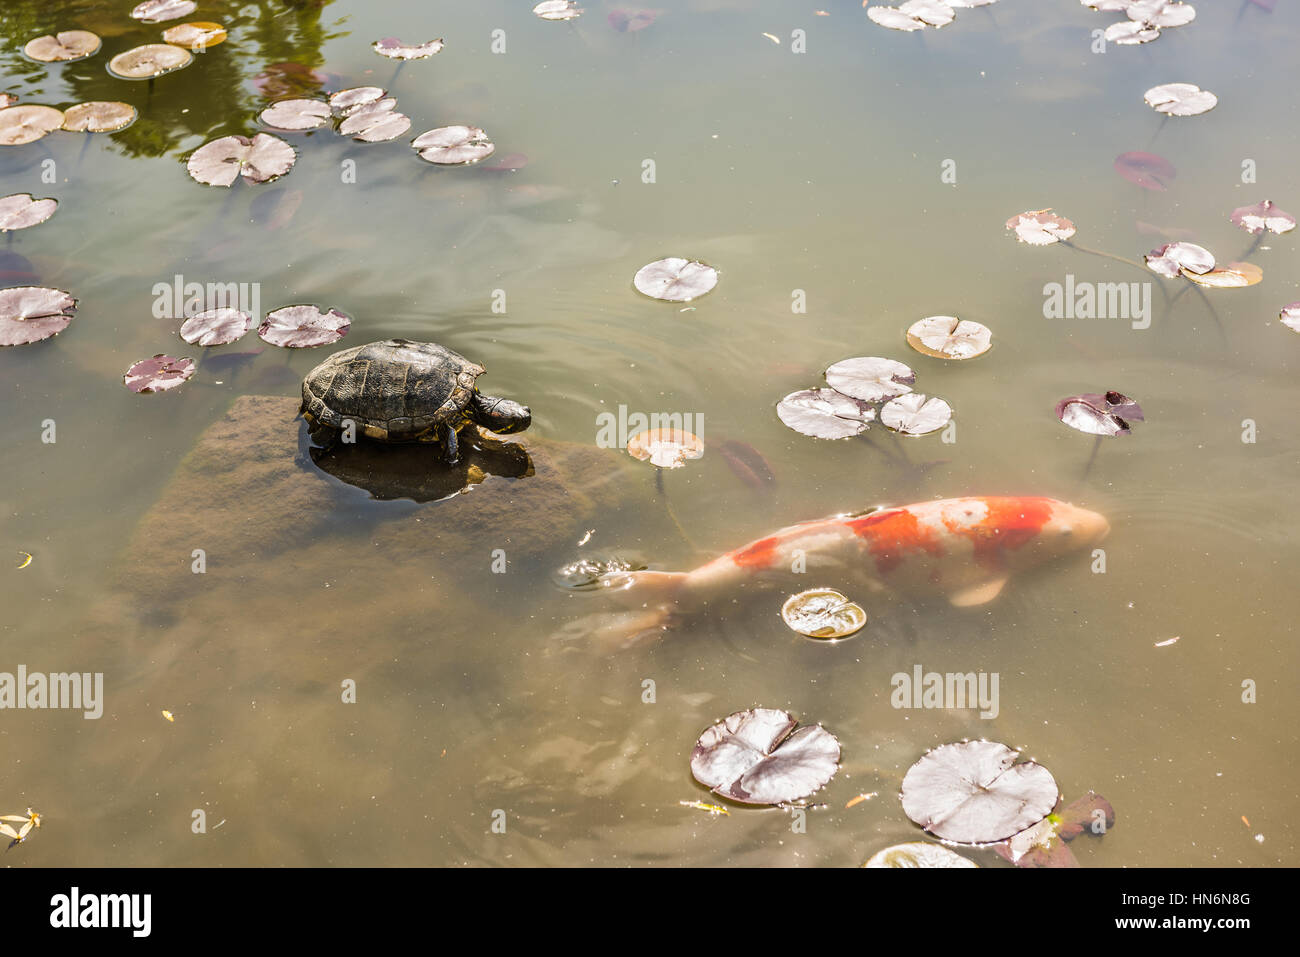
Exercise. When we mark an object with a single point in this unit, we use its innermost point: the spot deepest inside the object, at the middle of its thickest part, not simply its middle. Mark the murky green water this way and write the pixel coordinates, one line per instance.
(816, 171)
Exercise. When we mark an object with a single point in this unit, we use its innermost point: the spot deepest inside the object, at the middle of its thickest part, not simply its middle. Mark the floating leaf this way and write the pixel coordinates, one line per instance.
(296, 114)
(303, 326)
(453, 145)
(914, 414)
(975, 793)
(1255, 219)
(156, 11)
(197, 35)
(1180, 259)
(397, 50)
(894, 19)
(1231, 276)
(675, 280)
(27, 124)
(148, 61)
(20, 210)
(947, 337)
(825, 413)
(259, 160)
(630, 21)
(1041, 227)
(870, 378)
(1044, 844)
(99, 116)
(1146, 170)
(1131, 33)
(557, 10)
(24, 559)
(1161, 13)
(823, 613)
(1099, 413)
(1290, 316)
(375, 124)
(32, 313)
(216, 327)
(753, 758)
(158, 374)
(918, 854)
(933, 12)
(666, 448)
(347, 101)
(1180, 99)
(63, 47)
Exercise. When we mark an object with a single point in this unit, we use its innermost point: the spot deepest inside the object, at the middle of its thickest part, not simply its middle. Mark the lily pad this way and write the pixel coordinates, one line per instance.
(1231, 276)
(1146, 170)
(1180, 99)
(397, 50)
(870, 378)
(63, 47)
(33, 313)
(1044, 844)
(157, 11)
(918, 854)
(914, 414)
(354, 98)
(99, 116)
(296, 114)
(1131, 33)
(823, 613)
(1099, 413)
(21, 210)
(453, 145)
(557, 10)
(216, 327)
(24, 124)
(757, 757)
(375, 124)
(1161, 13)
(259, 160)
(1041, 227)
(666, 448)
(1180, 259)
(935, 13)
(675, 279)
(1255, 219)
(148, 61)
(158, 374)
(825, 413)
(894, 19)
(947, 337)
(303, 327)
(1290, 316)
(975, 792)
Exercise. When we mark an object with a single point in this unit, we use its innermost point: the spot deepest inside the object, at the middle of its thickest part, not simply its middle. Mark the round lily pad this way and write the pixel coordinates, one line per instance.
(24, 124)
(1180, 259)
(1231, 276)
(757, 757)
(1131, 33)
(148, 61)
(666, 448)
(33, 313)
(1097, 413)
(216, 327)
(870, 378)
(157, 11)
(259, 160)
(21, 210)
(375, 124)
(823, 613)
(98, 116)
(1180, 99)
(63, 47)
(453, 145)
(947, 337)
(158, 374)
(354, 98)
(397, 50)
(303, 327)
(1161, 13)
(918, 854)
(1290, 316)
(934, 13)
(1255, 219)
(197, 35)
(675, 280)
(1041, 227)
(557, 10)
(825, 413)
(296, 114)
(976, 793)
(894, 19)
(914, 414)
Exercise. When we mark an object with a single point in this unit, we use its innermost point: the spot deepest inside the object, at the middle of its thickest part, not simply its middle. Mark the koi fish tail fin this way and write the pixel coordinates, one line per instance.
(646, 589)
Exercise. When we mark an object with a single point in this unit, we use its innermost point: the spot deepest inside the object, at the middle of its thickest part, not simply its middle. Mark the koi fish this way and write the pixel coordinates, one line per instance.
(963, 548)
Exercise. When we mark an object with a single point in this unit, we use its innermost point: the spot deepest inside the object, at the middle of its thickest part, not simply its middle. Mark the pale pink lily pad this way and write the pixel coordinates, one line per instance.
(377, 124)
(24, 124)
(870, 378)
(99, 116)
(395, 49)
(296, 114)
(1131, 33)
(915, 414)
(1290, 316)
(63, 47)
(148, 61)
(757, 757)
(1231, 276)
(557, 10)
(303, 327)
(1040, 227)
(21, 210)
(1099, 413)
(224, 160)
(1180, 99)
(158, 11)
(894, 19)
(947, 337)
(453, 145)
(825, 414)
(354, 98)
(1255, 219)
(1180, 259)
(216, 327)
(936, 13)
(33, 313)
(675, 279)
(158, 374)
(665, 448)
(1161, 13)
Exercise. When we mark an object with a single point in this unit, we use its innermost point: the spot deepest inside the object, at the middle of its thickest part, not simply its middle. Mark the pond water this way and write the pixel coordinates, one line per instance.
(871, 176)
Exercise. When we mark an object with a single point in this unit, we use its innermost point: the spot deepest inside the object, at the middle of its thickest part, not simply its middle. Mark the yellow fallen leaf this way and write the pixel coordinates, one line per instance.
(24, 559)
(701, 806)
(168, 715)
(772, 38)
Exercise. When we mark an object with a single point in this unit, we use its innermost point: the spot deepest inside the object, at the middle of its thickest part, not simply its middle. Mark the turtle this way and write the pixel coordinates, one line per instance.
(399, 390)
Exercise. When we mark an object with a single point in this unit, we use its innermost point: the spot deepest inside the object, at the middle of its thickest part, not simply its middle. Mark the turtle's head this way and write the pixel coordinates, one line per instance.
(503, 416)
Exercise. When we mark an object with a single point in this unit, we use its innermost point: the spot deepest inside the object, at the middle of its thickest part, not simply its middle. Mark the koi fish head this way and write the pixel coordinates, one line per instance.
(1068, 528)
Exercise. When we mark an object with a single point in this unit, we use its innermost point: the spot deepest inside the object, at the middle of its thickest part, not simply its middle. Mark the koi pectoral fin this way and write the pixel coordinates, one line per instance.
(978, 594)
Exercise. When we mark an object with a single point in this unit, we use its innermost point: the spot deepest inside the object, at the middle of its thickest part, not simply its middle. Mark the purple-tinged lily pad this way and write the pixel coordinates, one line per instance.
(395, 49)
(158, 11)
(32, 313)
(1044, 844)
(630, 21)
(825, 414)
(303, 327)
(21, 210)
(354, 98)
(675, 279)
(934, 13)
(296, 114)
(1255, 219)
(1099, 413)
(1040, 227)
(1180, 99)
(24, 124)
(1180, 259)
(216, 327)
(98, 116)
(1290, 316)
(63, 47)
(1161, 13)
(914, 414)
(453, 145)
(870, 378)
(377, 124)
(224, 160)
(918, 854)
(757, 757)
(1146, 170)
(148, 61)
(557, 10)
(975, 792)
(947, 337)
(158, 374)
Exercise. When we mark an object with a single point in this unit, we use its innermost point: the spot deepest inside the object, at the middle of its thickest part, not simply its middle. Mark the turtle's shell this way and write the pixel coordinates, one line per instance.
(396, 390)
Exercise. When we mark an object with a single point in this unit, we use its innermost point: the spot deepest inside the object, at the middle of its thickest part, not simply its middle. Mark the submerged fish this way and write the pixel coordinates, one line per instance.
(962, 548)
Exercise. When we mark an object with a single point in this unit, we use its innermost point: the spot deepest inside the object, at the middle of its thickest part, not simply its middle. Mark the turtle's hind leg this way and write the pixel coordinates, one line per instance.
(452, 445)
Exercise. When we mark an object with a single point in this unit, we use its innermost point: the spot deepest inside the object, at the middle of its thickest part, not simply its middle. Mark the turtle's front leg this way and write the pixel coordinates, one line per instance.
(452, 445)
